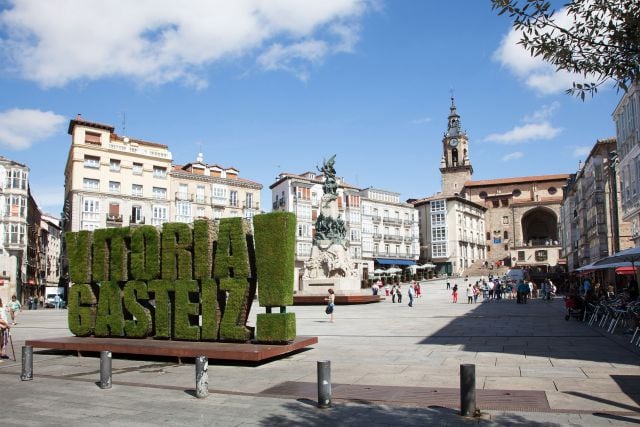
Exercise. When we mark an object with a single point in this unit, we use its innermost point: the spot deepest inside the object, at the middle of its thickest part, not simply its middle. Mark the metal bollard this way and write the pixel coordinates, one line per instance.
(324, 383)
(27, 363)
(105, 369)
(202, 377)
(467, 390)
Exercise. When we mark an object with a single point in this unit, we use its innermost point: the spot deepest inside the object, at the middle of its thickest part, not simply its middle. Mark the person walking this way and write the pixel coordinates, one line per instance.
(394, 292)
(417, 289)
(455, 293)
(469, 294)
(411, 292)
(330, 304)
(476, 292)
(14, 307)
(448, 285)
(399, 293)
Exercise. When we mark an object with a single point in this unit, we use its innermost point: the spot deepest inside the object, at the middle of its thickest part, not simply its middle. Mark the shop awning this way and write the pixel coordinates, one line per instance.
(389, 261)
(625, 270)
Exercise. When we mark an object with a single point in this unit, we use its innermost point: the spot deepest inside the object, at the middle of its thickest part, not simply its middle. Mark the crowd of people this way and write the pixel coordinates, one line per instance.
(498, 289)
(395, 291)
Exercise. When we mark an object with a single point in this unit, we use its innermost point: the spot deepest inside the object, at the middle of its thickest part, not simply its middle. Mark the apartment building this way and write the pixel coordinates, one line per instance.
(117, 181)
(627, 119)
(389, 230)
(113, 180)
(591, 224)
(381, 230)
(14, 200)
(200, 190)
(451, 232)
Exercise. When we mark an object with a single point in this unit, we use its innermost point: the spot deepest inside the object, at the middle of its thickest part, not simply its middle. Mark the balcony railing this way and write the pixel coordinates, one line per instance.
(252, 205)
(114, 218)
(392, 238)
(394, 221)
(180, 196)
(133, 220)
(377, 236)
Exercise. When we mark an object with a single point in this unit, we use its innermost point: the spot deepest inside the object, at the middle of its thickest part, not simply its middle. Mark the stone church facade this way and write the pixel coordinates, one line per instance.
(517, 218)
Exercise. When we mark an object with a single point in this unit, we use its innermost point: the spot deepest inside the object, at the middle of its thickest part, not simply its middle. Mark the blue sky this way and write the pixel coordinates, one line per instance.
(276, 86)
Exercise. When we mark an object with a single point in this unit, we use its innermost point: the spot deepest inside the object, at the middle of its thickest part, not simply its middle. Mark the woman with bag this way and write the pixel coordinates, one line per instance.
(330, 304)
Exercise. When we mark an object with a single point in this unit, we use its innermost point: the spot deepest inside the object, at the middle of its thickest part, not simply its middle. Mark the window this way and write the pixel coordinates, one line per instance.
(304, 230)
(114, 165)
(488, 235)
(221, 193)
(505, 220)
(158, 215)
(438, 234)
(114, 186)
(521, 256)
(386, 249)
(136, 190)
(92, 138)
(183, 192)
(541, 255)
(16, 178)
(552, 190)
(375, 248)
(90, 210)
(91, 162)
(437, 220)
(159, 172)
(248, 200)
(90, 184)
(15, 206)
(15, 234)
(200, 212)
(137, 168)
(397, 250)
(354, 235)
(136, 215)
(506, 234)
(482, 194)
(516, 193)
(183, 211)
(303, 211)
(495, 203)
(504, 202)
(200, 194)
(159, 193)
(114, 212)
(437, 206)
(439, 250)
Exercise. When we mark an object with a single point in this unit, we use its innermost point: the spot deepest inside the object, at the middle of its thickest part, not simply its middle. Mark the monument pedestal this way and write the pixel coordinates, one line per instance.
(319, 286)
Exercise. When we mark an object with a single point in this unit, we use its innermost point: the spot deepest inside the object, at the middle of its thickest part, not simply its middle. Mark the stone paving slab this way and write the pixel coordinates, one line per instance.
(580, 369)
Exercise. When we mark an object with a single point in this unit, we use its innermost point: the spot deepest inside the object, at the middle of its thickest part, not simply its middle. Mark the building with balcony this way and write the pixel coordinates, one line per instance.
(116, 181)
(591, 224)
(389, 230)
(14, 227)
(113, 180)
(200, 190)
(381, 230)
(451, 232)
(627, 119)
(518, 216)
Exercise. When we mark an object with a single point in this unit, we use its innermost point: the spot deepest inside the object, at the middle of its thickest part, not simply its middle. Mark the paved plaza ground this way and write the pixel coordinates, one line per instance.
(391, 365)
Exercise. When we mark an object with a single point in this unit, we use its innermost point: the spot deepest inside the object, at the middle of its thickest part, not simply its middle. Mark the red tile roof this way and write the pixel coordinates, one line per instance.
(517, 180)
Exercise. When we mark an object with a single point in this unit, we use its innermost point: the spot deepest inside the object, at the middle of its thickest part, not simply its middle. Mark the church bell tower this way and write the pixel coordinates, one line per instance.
(455, 166)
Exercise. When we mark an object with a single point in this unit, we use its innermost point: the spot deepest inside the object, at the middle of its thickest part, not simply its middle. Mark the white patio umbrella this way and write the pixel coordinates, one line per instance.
(379, 271)
(631, 255)
(393, 270)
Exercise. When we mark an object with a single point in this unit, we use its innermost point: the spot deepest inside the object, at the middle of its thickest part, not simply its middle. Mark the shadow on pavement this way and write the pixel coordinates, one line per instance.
(369, 413)
(534, 329)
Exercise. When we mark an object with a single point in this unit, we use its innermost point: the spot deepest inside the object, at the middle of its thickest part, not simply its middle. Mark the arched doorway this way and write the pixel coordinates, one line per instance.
(540, 227)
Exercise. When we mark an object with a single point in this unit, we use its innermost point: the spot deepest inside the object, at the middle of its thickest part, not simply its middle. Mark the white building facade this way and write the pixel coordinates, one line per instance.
(14, 195)
(627, 119)
(381, 230)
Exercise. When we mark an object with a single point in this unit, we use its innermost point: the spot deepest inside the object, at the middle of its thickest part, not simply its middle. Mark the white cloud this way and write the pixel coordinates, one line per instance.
(421, 120)
(160, 41)
(534, 71)
(582, 151)
(525, 133)
(544, 113)
(513, 156)
(294, 57)
(21, 128)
